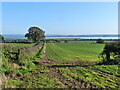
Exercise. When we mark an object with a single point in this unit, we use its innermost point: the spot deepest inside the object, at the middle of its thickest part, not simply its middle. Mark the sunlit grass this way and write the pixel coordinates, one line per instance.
(74, 51)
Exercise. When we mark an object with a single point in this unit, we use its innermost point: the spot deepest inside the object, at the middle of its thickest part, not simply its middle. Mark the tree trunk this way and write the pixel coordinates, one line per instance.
(108, 56)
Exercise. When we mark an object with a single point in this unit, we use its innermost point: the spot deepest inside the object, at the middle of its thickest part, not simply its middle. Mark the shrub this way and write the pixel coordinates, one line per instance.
(65, 41)
(111, 49)
(1, 38)
(100, 41)
(57, 41)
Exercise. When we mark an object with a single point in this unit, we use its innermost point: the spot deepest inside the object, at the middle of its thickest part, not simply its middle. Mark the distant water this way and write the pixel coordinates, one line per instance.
(105, 36)
(86, 37)
(19, 36)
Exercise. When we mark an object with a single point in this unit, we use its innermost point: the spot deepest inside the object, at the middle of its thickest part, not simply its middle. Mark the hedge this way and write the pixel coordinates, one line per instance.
(20, 55)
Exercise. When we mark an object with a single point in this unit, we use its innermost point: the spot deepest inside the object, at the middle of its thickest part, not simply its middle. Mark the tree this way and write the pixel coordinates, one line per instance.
(1, 38)
(111, 49)
(36, 34)
(100, 41)
(57, 41)
(65, 41)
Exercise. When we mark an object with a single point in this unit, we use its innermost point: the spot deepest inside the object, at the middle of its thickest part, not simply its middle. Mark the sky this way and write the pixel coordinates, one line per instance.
(68, 18)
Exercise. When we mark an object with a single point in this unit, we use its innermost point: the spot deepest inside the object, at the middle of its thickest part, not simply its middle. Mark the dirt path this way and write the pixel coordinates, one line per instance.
(46, 61)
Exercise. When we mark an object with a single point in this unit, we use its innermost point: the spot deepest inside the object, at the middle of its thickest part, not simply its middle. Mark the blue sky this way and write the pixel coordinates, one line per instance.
(60, 17)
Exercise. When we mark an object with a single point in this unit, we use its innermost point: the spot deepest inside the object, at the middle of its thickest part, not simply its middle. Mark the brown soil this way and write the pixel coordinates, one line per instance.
(54, 73)
(46, 61)
(67, 82)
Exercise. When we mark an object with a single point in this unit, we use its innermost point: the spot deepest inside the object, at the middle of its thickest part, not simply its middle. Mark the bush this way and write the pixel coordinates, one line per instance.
(111, 49)
(19, 55)
(1, 38)
(65, 41)
(100, 41)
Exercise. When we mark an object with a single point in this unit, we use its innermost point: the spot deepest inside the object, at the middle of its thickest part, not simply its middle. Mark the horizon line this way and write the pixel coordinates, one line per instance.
(68, 34)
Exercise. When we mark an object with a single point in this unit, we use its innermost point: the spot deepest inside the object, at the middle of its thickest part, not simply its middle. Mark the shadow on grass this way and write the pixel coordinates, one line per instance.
(61, 66)
(110, 62)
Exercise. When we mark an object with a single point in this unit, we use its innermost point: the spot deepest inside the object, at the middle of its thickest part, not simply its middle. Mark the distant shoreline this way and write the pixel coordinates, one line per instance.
(90, 36)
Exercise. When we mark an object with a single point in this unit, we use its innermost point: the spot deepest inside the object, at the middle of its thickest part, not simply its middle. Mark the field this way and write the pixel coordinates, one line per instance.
(18, 44)
(67, 77)
(81, 51)
(46, 74)
(88, 76)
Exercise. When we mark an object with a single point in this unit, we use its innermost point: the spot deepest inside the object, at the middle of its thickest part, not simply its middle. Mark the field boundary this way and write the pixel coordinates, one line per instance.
(22, 54)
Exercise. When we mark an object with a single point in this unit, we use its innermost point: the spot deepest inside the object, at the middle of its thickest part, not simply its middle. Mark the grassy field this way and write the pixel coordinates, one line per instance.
(18, 44)
(82, 51)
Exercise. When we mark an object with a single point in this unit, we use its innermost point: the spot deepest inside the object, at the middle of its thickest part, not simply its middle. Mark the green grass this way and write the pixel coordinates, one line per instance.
(18, 44)
(82, 51)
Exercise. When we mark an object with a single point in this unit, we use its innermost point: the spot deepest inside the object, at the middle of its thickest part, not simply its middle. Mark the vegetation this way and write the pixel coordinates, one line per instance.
(65, 41)
(23, 72)
(17, 63)
(65, 52)
(1, 38)
(92, 76)
(100, 41)
(36, 34)
(18, 44)
(111, 51)
(97, 76)
(12, 40)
